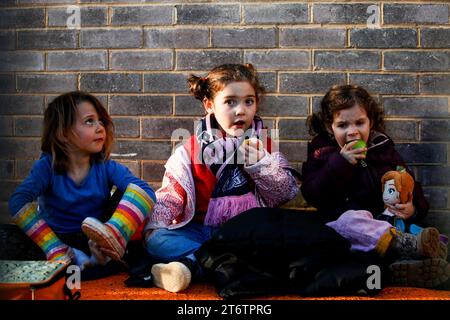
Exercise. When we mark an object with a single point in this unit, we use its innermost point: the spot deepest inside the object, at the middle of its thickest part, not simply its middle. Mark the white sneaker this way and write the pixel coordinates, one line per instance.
(173, 276)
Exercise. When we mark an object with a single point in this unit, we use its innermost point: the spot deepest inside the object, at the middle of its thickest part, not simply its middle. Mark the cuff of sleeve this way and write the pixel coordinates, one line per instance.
(263, 163)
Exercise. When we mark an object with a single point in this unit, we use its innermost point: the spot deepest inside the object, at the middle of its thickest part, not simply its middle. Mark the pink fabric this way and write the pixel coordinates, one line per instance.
(360, 228)
(175, 205)
(223, 209)
(275, 184)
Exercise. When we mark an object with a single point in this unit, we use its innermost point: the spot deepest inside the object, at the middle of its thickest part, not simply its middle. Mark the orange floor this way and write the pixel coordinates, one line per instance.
(113, 288)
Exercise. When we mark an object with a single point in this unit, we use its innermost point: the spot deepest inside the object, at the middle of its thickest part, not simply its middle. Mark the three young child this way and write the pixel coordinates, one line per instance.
(224, 169)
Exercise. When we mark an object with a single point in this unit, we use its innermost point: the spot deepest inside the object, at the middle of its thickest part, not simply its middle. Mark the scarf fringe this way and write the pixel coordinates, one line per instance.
(223, 209)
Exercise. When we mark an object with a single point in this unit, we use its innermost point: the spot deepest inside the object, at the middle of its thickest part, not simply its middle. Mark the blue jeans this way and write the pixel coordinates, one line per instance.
(165, 245)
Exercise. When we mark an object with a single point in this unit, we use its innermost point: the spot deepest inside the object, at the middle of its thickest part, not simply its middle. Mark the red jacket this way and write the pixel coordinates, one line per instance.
(333, 185)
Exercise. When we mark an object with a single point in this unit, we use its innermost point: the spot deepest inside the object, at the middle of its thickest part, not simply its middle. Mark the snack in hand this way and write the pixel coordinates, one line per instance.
(360, 144)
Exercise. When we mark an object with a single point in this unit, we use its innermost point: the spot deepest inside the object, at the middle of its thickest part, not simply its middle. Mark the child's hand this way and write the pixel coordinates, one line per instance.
(80, 259)
(253, 151)
(403, 210)
(353, 155)
(76, 257)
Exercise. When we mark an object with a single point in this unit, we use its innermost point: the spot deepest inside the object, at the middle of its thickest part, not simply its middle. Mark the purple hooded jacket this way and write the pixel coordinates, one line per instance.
(333, 185)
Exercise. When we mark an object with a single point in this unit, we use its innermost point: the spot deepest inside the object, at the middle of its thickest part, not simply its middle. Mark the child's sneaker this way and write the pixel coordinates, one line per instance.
(105, 237)
(426, 244)
(174, 276)
(428, 273)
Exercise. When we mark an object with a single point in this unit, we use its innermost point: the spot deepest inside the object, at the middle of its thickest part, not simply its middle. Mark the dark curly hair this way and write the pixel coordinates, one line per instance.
(342, 97)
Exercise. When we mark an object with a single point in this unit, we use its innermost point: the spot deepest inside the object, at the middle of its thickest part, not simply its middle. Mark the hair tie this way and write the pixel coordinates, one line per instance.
(203, 83)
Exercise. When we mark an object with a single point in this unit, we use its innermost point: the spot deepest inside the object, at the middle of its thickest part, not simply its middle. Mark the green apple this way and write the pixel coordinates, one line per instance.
(360, 144)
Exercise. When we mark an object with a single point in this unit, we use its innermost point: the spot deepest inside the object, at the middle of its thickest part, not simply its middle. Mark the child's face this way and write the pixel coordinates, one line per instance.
(350, 124)
(234, 107)
(88, 133)
(390, 193)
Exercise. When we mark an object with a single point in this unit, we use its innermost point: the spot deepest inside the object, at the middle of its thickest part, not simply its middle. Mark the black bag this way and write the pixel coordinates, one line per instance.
(277, 251)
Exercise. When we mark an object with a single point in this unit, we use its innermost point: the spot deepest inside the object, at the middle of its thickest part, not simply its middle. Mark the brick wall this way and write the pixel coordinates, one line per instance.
(135, 55)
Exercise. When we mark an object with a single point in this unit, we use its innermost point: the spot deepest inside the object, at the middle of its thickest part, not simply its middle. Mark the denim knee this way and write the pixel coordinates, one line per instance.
(167, 245)
(155, 240)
